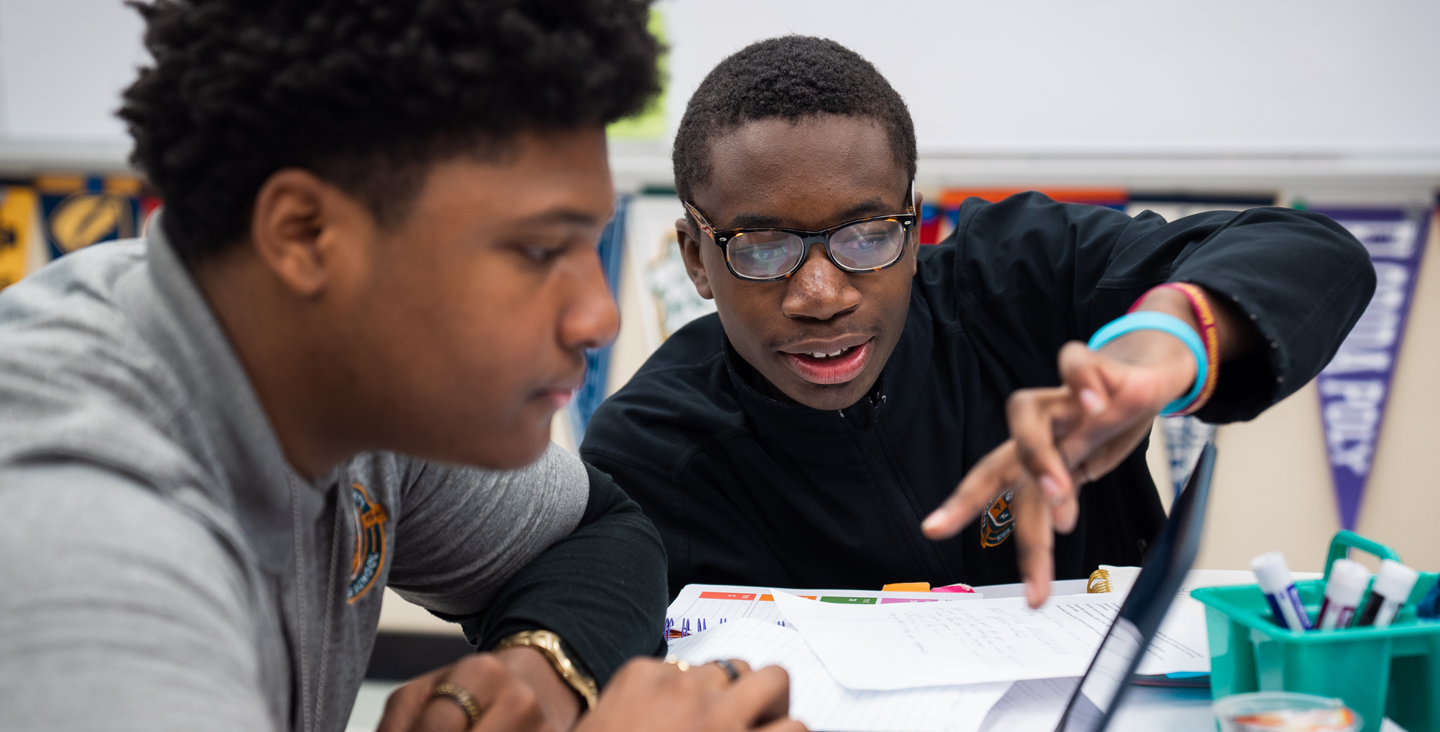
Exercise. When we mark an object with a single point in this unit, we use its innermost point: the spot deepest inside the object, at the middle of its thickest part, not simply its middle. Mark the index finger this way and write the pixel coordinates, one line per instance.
(1034, 542)
(990, 477)
(1034, 417)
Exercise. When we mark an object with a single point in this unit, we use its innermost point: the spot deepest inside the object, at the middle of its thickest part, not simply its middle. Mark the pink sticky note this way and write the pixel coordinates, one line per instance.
(957, 587)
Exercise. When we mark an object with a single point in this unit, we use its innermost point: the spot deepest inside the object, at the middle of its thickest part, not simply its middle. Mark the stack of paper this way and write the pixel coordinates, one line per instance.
(908, 646)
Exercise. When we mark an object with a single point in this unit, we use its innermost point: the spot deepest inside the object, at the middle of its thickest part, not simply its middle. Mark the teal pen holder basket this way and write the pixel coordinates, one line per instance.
(1392, 672)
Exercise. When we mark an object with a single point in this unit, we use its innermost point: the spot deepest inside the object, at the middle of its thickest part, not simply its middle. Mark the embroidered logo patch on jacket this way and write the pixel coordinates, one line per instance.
(997, 523)
(369, 555)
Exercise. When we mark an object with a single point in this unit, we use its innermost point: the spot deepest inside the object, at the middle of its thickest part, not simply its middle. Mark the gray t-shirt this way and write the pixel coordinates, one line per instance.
(162, 567)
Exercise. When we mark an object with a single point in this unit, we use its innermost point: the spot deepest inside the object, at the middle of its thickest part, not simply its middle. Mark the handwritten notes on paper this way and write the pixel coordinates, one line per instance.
(905, 646)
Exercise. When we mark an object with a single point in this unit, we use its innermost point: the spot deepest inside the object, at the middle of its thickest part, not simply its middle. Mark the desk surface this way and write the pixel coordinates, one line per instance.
(1145, 710)
(1173, 710)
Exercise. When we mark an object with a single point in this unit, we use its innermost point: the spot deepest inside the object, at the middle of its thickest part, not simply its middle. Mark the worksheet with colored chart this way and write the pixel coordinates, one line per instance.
(698, 607)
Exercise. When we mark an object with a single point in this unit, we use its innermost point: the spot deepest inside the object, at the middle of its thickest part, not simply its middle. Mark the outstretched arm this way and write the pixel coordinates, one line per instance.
(1285, 288)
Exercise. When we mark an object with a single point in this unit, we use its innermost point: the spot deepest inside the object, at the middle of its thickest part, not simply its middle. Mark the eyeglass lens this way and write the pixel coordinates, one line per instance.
(860, 246)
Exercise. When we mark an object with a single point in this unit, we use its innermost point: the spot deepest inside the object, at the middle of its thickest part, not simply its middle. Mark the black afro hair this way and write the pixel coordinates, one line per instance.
(791, 77)
(367, 94)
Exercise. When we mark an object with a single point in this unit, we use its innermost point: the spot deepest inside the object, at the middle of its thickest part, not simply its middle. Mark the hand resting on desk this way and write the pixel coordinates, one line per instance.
(517, 690)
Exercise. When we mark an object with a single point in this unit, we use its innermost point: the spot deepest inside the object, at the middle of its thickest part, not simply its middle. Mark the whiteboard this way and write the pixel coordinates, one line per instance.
(1111, 77)
(63, 64)
(1117, 76)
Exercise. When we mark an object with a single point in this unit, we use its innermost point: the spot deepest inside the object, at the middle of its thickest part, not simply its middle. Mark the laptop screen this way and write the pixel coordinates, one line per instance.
(1104, 684)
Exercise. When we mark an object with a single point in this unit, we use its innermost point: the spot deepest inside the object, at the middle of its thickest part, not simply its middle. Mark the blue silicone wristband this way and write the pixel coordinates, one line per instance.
(1149, 320)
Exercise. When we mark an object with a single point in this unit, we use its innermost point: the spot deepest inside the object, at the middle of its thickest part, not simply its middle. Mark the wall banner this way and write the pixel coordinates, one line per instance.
(78, 211)
(1355, 387)
(1185, 437)
(17, 211)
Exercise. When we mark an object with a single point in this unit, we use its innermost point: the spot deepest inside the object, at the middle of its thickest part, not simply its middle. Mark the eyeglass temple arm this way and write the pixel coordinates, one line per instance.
(700, 221)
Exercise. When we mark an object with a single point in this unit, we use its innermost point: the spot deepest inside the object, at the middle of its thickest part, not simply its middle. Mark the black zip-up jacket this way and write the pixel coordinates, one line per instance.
(748, 490)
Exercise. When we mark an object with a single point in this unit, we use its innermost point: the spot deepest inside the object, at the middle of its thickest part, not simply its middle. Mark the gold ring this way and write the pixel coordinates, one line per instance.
(460, 695)
(678, 662)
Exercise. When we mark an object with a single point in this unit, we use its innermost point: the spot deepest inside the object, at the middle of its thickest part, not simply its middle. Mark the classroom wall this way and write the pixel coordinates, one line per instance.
(1225, 85)
(62, 66)
(1307, 80)
(1133, 76)
(1272, 486)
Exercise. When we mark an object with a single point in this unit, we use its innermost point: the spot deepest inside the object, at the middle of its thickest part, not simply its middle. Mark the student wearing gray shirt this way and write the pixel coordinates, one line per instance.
(328, 367)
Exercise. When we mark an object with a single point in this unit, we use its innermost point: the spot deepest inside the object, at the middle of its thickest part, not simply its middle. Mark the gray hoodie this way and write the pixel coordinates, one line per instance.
(161, 566)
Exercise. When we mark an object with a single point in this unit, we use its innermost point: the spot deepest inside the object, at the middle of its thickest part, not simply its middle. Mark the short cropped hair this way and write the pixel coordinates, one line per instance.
(790, 77)
(366, 94)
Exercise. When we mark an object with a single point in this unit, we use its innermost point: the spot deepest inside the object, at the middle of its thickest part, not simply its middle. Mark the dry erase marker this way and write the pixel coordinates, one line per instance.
(1389, 593)
(1274, 578)
(1342, 594)
(1429, 606)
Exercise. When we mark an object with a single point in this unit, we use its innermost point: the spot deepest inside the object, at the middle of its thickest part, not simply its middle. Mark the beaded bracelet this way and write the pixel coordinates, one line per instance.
(1149, 320)
(1209, 335)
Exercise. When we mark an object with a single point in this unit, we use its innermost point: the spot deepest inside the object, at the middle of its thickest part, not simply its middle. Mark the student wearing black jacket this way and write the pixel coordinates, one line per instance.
(800, 436)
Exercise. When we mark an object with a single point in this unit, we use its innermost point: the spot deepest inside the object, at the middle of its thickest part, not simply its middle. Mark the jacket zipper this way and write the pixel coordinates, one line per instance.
(875, 456)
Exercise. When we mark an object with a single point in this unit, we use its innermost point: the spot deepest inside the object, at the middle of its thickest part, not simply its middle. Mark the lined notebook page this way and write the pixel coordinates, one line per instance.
(821, 703)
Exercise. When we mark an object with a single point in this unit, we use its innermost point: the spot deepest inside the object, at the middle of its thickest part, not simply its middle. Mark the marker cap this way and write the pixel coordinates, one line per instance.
(1271, 572)
(1395, 580)
(1347, 582)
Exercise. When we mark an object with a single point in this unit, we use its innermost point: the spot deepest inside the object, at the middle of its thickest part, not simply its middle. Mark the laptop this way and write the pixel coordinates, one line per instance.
(1102, 689)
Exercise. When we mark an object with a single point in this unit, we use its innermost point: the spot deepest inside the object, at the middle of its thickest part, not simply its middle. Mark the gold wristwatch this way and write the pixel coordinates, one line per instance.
(548, 643)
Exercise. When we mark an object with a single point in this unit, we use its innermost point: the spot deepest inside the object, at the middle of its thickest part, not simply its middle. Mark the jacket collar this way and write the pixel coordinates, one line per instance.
(800, 431)
(227, 431)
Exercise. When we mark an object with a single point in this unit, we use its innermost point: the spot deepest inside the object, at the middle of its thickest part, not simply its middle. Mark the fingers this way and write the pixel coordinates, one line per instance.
(495, 692)
(404, 704)
(1037, 418)
(1107, 456)
(714, 676)
(759, 697)
(1081, 370)
(647, 694)
(1060, 438)
(990, 477)
(1065, 514)
(784, 725)
(1034, 542)
(741, 668)
(516, 708)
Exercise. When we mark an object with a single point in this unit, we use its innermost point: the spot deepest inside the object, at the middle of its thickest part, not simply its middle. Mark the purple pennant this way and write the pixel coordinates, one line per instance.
(1355, 386)
(1185, 437)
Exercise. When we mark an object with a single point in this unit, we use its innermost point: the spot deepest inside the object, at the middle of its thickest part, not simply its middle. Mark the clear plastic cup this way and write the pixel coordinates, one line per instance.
(1283, 711)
